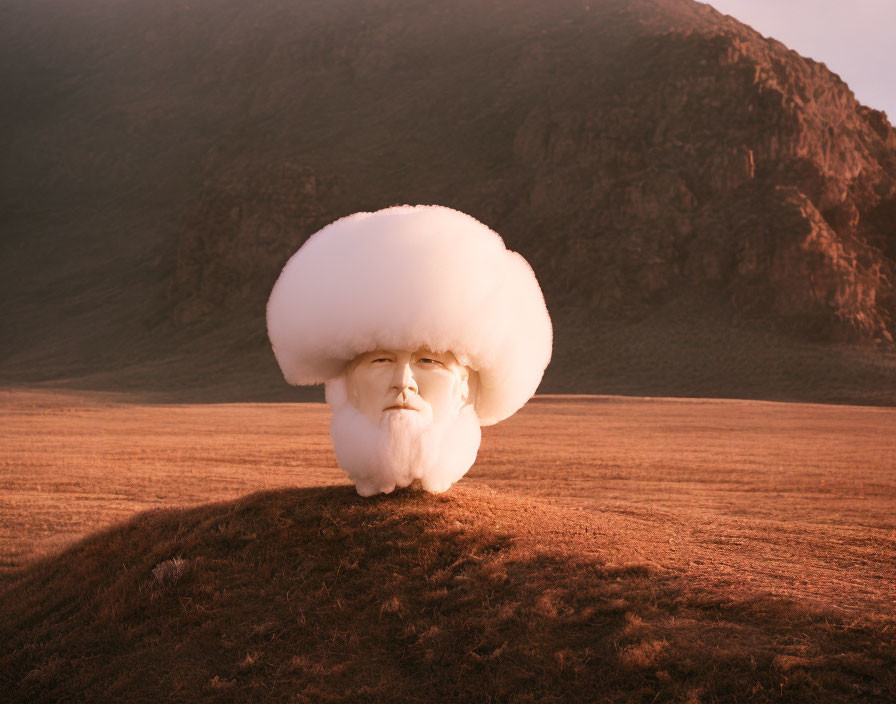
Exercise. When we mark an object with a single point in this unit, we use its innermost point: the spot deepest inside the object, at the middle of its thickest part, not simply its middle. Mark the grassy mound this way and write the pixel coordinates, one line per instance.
(318, 595)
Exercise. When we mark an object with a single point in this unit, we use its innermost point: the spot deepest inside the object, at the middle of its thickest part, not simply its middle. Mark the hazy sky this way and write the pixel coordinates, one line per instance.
(853, 38)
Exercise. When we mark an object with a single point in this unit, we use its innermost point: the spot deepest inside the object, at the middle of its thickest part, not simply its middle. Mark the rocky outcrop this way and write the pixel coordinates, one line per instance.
(632, 151)
(725, 158)
(789, 260)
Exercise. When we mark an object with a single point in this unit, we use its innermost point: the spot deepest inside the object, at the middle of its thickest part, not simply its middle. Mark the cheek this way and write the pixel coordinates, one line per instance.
(368, 386)
(439, 389)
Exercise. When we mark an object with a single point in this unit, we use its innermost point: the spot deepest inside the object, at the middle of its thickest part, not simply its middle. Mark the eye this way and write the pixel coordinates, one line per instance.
(429, 361)
(380, 360)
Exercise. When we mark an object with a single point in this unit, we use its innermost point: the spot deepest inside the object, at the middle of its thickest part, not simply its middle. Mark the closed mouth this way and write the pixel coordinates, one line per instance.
(400, 407)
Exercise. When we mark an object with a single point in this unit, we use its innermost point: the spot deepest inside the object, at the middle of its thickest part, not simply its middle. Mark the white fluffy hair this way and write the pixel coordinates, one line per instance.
(409, 277)
(402, 447)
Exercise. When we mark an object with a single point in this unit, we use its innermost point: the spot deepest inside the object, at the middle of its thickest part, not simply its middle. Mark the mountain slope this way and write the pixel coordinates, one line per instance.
(163, 160)
(632, 152)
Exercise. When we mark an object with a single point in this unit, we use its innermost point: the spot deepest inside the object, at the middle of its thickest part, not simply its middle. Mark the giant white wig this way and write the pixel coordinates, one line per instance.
(409, 277)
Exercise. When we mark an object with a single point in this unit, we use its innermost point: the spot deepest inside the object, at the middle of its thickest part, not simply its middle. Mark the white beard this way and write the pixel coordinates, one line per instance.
(402, 448)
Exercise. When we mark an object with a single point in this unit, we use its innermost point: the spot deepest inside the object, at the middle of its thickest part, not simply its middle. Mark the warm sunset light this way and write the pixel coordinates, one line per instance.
(361, 351)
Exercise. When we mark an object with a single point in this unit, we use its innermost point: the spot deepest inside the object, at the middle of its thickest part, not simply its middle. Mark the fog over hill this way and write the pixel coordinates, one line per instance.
(707, 212)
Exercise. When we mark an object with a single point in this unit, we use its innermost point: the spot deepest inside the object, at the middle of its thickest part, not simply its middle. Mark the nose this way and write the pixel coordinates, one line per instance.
(403, 379)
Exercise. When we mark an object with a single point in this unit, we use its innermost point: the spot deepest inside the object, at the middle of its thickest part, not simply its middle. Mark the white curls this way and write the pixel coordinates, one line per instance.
(410, 277)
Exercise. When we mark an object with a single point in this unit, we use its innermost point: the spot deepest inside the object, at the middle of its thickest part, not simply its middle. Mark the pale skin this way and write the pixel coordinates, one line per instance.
(421, 381)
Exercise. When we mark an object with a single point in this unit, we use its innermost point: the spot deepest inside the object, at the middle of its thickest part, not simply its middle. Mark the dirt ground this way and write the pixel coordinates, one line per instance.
(790, 499)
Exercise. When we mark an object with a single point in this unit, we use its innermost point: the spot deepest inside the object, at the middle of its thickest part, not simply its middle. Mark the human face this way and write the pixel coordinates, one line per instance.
(433, 384)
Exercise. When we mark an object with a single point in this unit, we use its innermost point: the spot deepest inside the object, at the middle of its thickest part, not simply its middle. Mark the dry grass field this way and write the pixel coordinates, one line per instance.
(601, 549)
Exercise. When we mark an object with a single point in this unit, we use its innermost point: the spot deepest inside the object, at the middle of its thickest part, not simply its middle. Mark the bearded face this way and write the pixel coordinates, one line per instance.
(404, 415)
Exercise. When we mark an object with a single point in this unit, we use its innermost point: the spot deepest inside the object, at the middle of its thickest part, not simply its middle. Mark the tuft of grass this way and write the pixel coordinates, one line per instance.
(170, 571)
(644, 654)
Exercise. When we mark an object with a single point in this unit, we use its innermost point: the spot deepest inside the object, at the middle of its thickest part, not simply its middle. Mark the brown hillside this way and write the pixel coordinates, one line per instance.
(318, 595)
(690, 194)
(600, 549)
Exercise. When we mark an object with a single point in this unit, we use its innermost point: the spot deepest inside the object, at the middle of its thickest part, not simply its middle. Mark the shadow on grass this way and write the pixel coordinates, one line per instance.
(319, 595)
